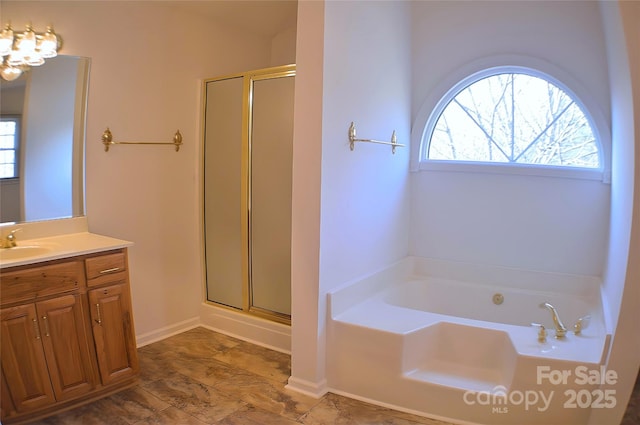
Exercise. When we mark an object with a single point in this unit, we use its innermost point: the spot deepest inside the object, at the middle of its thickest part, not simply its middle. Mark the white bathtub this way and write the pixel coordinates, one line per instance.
(426, 336)
(475, 301)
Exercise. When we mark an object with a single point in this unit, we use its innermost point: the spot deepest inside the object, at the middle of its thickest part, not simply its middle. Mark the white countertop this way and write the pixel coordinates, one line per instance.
(61, 246)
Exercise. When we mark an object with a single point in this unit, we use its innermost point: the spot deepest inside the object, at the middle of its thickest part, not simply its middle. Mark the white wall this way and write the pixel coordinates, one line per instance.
(12, 98)
(623, 140)
(10, 200)
(307, 360)
(535, 223)
(447, 35)
(539, 223)
(364, 193)
(283, 47)
(148, 61)
(621, 287)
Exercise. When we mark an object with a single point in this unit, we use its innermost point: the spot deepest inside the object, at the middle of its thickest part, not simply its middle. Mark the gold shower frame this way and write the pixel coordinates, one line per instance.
(245, 171)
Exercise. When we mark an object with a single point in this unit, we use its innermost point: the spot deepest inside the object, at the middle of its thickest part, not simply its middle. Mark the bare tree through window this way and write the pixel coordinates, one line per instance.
(514, 118)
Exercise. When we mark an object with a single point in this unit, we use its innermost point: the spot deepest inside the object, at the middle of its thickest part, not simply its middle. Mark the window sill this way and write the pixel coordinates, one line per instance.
(520, 169)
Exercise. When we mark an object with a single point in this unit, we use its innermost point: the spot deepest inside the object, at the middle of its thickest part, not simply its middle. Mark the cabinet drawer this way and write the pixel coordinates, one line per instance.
(41, 281)
(105, 265)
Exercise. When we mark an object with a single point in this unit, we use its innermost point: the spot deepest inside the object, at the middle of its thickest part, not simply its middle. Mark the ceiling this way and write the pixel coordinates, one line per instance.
(261, 17)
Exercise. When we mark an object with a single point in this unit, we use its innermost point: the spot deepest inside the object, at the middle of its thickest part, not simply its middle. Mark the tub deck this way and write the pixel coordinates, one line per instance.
(383, 348)
(376, 314)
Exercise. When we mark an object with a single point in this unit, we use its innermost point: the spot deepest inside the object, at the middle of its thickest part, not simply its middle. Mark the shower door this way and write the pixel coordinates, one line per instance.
(248, 133)
(224, 194)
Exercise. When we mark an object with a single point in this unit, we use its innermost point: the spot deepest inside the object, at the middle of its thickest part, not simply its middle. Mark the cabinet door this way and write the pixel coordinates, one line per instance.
(23, 361)
(65, 342)
(113, 332)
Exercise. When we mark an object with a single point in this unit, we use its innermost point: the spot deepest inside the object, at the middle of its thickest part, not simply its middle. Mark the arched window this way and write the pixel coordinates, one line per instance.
(515, 118)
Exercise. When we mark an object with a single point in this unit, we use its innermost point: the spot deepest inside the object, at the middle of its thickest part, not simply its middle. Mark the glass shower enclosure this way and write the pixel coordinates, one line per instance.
(247, 154)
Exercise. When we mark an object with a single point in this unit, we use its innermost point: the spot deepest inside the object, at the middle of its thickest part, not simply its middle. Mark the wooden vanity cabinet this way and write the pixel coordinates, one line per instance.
(66, 346)
(111, 315)
(67, 336)
(23, 361)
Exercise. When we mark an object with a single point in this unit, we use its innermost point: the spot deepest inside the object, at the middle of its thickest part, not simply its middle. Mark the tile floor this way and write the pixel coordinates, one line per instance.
(632, 415)
(203, 377)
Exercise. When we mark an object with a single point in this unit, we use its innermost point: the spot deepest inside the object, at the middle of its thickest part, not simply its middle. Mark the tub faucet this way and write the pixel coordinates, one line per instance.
(9, 241)
(561, 329)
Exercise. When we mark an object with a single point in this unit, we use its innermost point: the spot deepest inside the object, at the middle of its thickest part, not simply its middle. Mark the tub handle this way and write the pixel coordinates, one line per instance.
(581, 324)
(542, 333)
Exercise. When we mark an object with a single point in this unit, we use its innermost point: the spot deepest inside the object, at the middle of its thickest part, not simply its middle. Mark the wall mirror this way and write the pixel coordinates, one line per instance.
(49, 105)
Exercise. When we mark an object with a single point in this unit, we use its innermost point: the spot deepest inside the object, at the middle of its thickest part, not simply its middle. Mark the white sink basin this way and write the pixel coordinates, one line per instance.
(25, 251)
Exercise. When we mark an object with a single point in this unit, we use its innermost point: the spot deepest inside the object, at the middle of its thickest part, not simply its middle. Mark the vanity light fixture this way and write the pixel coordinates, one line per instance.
(22, 50)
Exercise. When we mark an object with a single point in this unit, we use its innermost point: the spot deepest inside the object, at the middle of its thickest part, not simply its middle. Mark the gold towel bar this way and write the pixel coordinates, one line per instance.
(352, 139)
(107, 139)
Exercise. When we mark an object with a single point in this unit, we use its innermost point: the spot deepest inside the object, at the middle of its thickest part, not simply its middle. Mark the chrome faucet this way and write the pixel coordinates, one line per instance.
(10, 241)
(561, 329)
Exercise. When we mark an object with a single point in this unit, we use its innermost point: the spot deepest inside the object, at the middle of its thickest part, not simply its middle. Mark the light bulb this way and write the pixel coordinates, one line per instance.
(34, 59)
(16, 57)
(49, 44)
(6, 40)
(9, 73)
(27, 43)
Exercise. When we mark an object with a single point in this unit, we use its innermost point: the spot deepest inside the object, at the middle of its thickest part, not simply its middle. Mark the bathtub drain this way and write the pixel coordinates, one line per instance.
(498, 299)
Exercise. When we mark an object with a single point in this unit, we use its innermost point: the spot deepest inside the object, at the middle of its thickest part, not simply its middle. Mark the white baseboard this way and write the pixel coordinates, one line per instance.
(272, 335)
(312, 389)
(166, 332)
